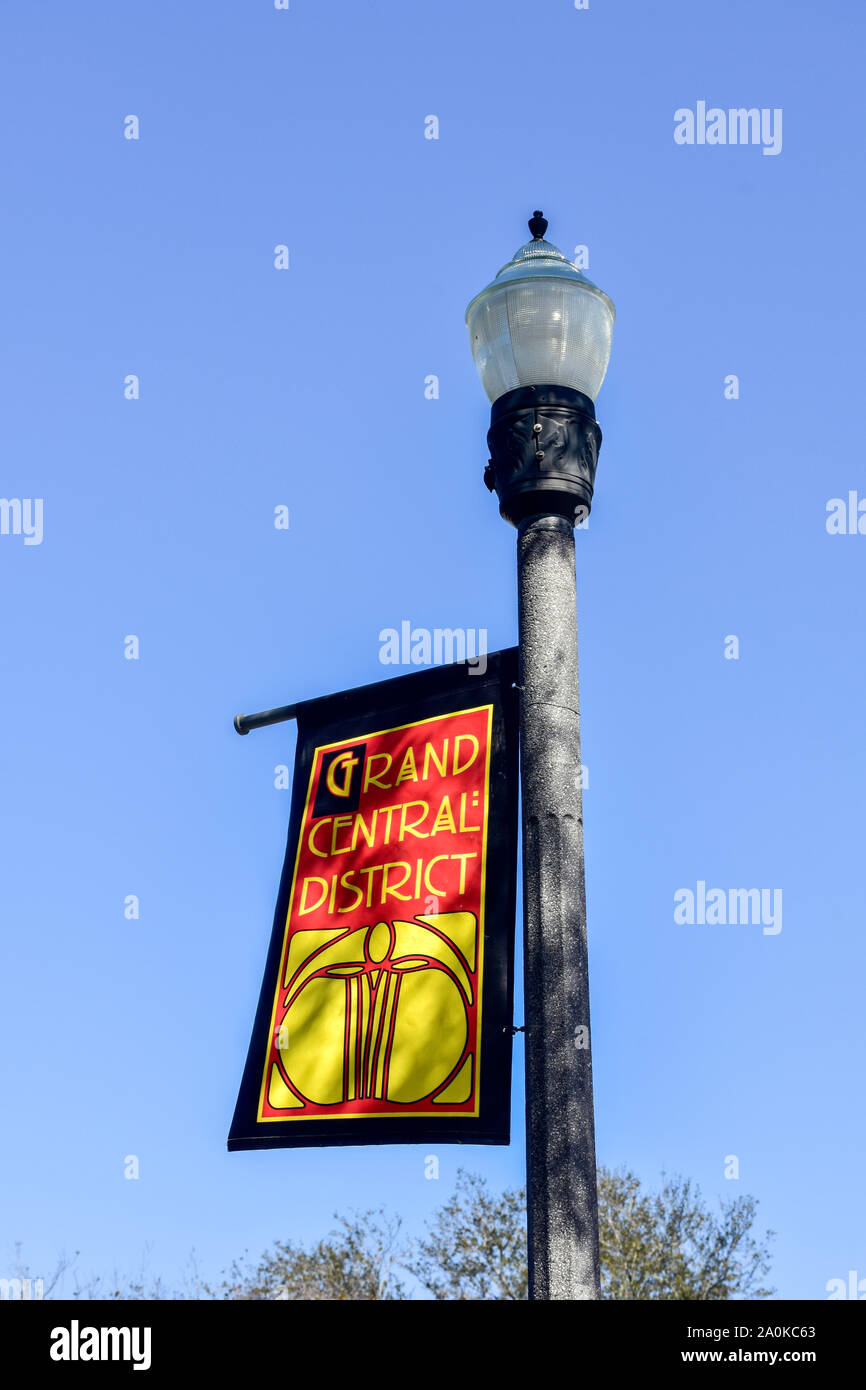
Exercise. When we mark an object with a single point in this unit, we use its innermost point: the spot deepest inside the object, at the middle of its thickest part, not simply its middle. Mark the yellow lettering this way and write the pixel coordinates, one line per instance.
(387, 812)
(369, 778)
(461, 887)
(345, 763)
(369, 835)
(408, 771)
(338, 823)
(444, 818)
(370, 872)
(304, 907)
(464, 738)
(311, 838)
(428, 885)
(352, 888)
(410, 827)
(392, 892)
(430, 756)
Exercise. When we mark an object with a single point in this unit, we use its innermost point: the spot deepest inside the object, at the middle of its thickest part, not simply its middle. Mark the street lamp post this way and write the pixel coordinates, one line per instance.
(541, 334)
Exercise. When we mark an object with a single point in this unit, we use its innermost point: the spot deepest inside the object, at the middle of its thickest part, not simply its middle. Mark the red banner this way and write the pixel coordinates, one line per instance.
(375, 1000)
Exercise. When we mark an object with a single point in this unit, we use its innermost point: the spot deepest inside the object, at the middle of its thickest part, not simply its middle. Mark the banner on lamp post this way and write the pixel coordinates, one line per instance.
(386, 1007)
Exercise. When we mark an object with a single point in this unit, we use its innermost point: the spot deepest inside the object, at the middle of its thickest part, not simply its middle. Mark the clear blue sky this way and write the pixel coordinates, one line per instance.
(306, 388)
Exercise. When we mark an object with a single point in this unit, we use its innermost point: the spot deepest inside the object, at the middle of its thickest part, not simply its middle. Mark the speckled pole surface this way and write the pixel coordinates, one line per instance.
(561, 1179)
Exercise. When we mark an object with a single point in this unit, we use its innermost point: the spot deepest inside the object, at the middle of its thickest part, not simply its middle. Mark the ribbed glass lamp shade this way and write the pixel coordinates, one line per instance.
(540, 322)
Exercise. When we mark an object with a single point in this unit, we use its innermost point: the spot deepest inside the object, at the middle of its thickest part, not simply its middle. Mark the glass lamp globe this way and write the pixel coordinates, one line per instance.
(540, 322)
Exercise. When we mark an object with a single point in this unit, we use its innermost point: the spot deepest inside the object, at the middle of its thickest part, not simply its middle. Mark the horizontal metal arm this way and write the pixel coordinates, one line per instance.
(245, 722)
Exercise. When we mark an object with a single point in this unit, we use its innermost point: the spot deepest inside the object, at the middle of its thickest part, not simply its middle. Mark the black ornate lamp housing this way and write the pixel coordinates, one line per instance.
(541, 336)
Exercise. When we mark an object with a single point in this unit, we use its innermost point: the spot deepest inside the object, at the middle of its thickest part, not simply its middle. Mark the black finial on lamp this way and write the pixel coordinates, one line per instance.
(538, 225)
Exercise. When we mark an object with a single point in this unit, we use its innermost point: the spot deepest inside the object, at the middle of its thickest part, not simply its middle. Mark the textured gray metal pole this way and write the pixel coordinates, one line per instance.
(561, 1179)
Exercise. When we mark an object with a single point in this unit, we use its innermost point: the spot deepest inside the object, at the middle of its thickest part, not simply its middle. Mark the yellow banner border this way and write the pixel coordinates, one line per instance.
(387, 1114)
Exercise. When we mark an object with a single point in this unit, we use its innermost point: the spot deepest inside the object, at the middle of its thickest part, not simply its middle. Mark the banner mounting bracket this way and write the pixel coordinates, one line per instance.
(244, 722)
